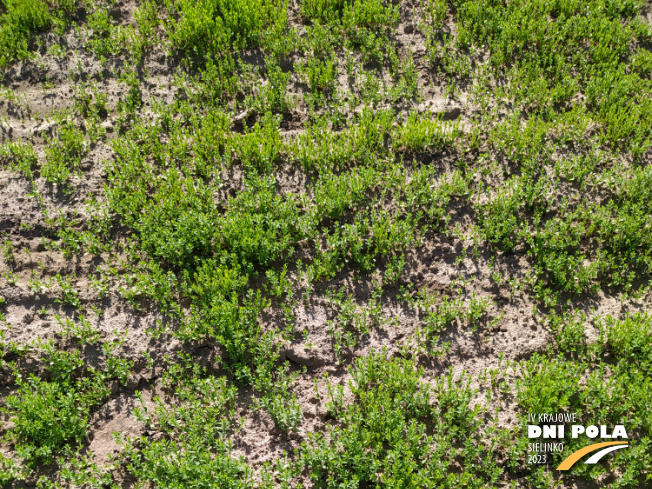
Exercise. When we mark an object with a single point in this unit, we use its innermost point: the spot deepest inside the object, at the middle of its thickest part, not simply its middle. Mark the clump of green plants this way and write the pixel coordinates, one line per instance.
(106, 39)
(50, 413)
(277, 398)
(320, 75)
(371, 236)
(425, 132)
(208, 28)
(70, 295)
(19, 156)
(615, 389)
(8, 252)
(16, 25)
(195, 419)
(364, 23)
(437, 314)
(399, 432)
(20, 20)
(64, 154)
(348, 325)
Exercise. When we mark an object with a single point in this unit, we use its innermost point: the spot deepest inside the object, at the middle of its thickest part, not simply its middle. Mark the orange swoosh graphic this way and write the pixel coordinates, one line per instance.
(575, 456)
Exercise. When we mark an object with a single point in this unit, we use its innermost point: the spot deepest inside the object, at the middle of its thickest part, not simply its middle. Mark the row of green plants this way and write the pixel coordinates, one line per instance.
(606, 382)
(20, 20)
(49, 409)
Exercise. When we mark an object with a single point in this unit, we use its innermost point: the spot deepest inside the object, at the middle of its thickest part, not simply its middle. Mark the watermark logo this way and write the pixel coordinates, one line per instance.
(553, 427)
(594, 459)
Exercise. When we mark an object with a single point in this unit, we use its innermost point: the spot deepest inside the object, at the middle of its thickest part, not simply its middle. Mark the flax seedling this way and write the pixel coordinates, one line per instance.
(70, 294)
(81, 329)
(35, 283)
(8, 252)
(11, 277)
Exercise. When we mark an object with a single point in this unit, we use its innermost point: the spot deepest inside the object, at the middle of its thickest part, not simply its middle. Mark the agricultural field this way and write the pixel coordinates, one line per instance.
(323, 243)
